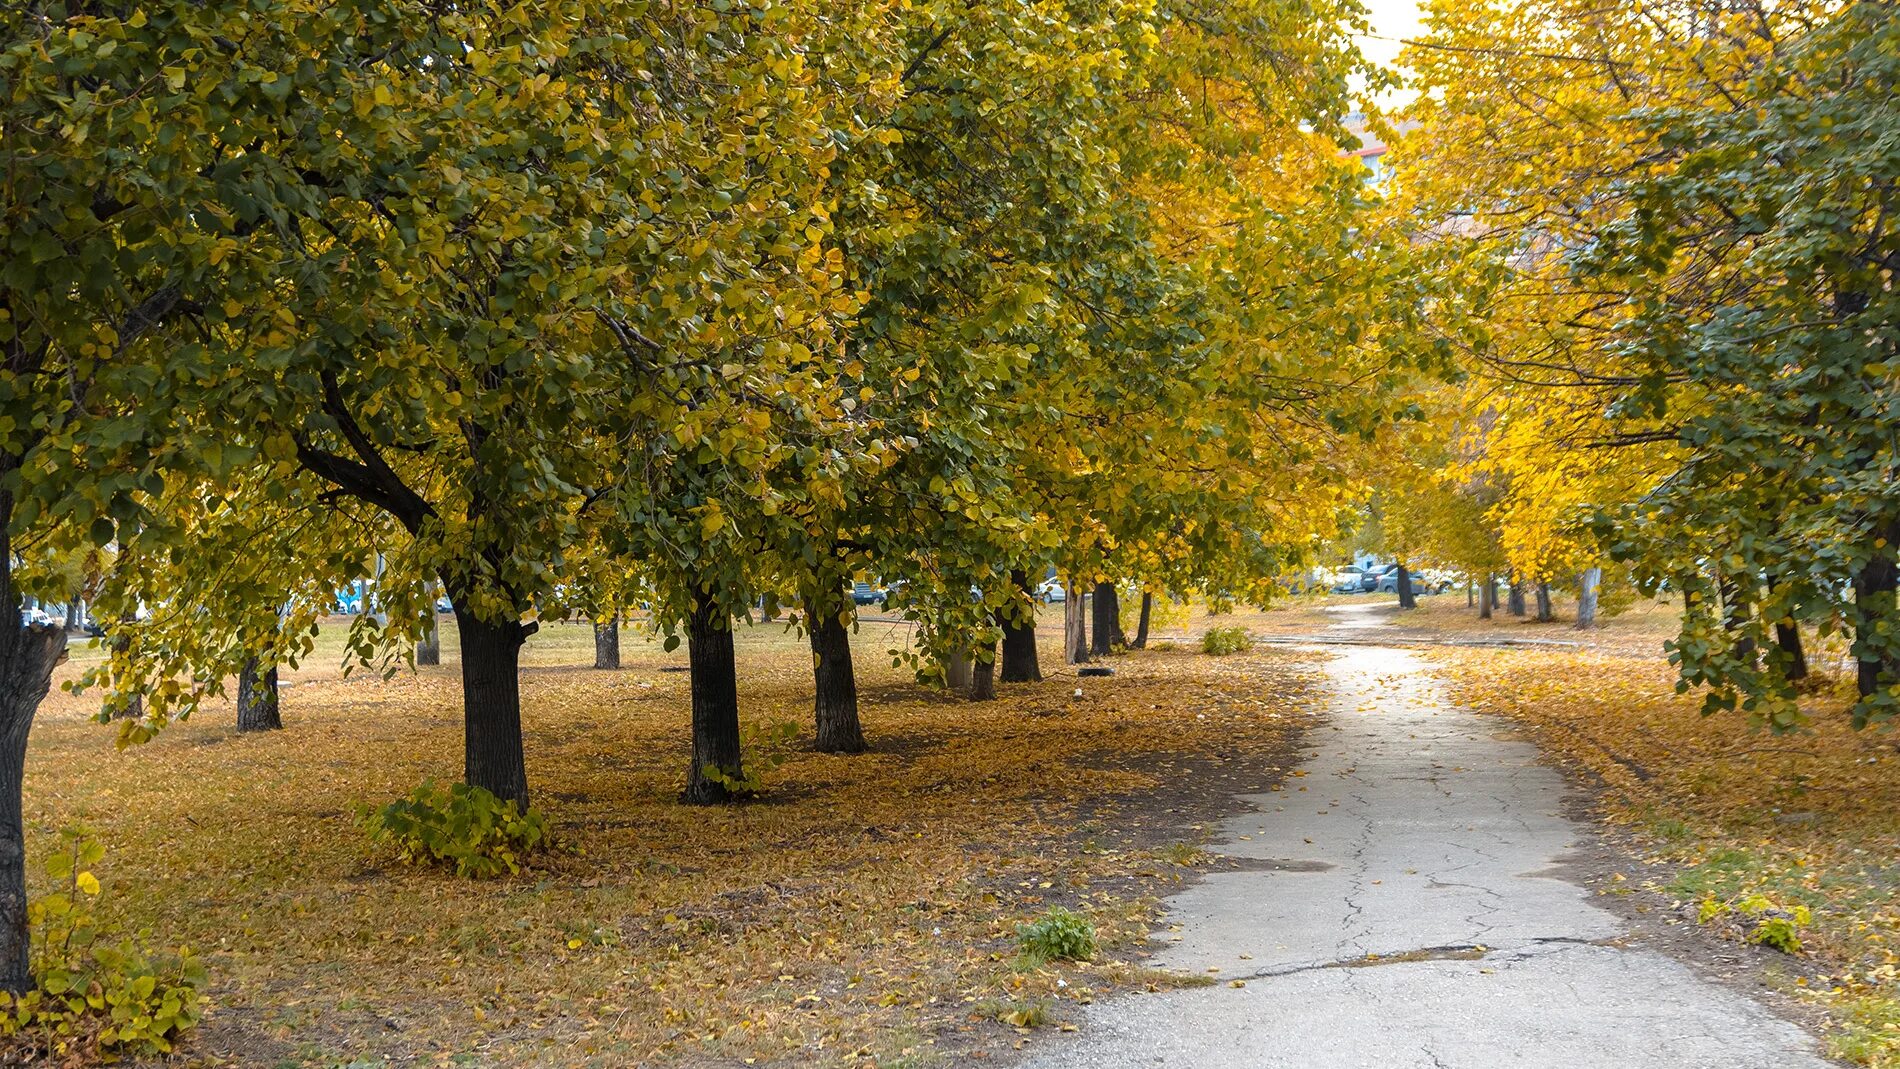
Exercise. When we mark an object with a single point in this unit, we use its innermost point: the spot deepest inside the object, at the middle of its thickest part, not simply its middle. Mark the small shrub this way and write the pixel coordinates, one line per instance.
(1761, 920)
(93, 1001)
(1058, 935)
(463, 827)
(1221, 641)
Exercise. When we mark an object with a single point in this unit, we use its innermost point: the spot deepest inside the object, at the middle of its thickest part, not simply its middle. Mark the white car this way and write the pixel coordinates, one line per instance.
(1052, 592)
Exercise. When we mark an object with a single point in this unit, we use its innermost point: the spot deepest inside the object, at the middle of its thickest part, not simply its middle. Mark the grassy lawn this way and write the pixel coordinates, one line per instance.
(862, 912)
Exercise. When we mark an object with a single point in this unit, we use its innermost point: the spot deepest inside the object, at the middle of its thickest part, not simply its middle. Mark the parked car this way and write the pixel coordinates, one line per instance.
(443, 604)
(866, 594)
(1349, 580)
(1389, 583)
(1051, 592)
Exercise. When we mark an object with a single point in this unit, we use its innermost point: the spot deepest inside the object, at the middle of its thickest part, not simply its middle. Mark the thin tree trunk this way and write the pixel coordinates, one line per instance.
(983, 676)
(1737, 608)
(1788, 637)
(1544, 613)
(1108, 620)
(1587, 598)
(1874, 602)
(1487, 597)
(258, 698)
(491, 706)
(1075, 629)
(134, 705)
(72, 614)
(607, 644)
(1471, 593)
(1407, 600)
(1514, 601)
(1141, 625)
(715, 685)
(956, 672)
(28, 656)
(835, 689)
(429, 647)
(1019, 663)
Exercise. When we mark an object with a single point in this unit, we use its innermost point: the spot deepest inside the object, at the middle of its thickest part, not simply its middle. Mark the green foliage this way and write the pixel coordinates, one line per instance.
(95, 1000)
(462, 827)
(764, 747)
(1058, 935)
(1221, 641)
(1764, 923)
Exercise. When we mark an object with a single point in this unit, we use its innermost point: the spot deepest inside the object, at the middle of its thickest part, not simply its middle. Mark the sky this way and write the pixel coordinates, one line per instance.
(1391, 21)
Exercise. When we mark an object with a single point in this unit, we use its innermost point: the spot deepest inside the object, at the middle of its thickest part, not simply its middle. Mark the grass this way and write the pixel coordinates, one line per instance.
(855, 915)
(1750, 826)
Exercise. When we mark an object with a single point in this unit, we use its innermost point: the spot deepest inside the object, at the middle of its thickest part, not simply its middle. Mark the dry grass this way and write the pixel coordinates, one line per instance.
(862, 913)
(1810, 818)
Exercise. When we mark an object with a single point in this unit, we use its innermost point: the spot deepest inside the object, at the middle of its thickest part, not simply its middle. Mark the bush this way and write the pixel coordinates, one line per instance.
(463, 827)
(1760, 920)
(1058, 935)
(94, 1001)
(1221, 641)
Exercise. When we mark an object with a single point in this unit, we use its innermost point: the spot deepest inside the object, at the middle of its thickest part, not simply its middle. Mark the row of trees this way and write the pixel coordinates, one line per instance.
(565, 306)
(1676, 225)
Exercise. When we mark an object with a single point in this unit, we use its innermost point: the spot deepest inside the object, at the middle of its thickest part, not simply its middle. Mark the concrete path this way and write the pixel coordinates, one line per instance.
(1400, 910)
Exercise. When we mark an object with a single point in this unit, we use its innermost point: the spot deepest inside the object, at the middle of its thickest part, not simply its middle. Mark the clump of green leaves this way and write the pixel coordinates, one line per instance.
(1221, 641)
(765, 747)
(93, 1000)
(1058, 935)
(462, 827)
(1766, 924)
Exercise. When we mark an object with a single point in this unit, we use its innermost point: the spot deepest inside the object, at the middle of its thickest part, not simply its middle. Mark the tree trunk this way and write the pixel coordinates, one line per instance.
(835, 687)
(28, 656)
(1019, 637)
(956, 672)
(1544, 614)
(1407, 600)
(1075, 626)
(1471, 593)
(716, 768)
(1737, 608)
(1874, 603)
(1141, 626)
(607, 644)
(983, 676)
(1587, 598)
(134, 706)
(429, 648)
(1788, 637)
(72, 614)
(491, 706)
(1514, 601)
(1108, 620)
(257, 698)
(1487, 597)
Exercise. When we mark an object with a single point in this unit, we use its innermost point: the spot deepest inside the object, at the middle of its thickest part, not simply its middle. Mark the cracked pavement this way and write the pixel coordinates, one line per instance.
(1402, 907)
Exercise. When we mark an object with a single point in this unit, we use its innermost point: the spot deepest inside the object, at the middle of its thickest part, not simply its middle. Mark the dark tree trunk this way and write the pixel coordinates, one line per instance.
(28, 656)
(1587, 585)
(1544, 614)
(1108, 620)
(1515, 599)
(491, 706)
(1141, 625)
(133, 707)
(429, 649)
(1788, 637)
(1487, 598)
(1737, 608)
(607, 644)
(1874, 602)
(716, 766)
(1075, 625)
(257, 698)
(1019, 664)
(835, 689)
(1471, 593)
(1407, 600)
(983, 676)
(72, 614)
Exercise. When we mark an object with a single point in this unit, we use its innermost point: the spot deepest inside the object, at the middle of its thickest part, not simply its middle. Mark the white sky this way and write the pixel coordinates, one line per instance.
(1392, 20)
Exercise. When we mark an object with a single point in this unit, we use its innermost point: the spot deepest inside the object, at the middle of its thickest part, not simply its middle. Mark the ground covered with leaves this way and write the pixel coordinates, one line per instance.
(1790, 841)
(864, 911)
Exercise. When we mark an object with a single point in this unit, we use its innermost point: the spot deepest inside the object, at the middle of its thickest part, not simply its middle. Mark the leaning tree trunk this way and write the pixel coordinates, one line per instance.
(1487, 597)
(1544, 614)
(1875, 666)
(1587, 585)
(1141, 625)
(491, 705)
(983, 676)
(1019, 664)
(1407, 599)
(1514, 601)
(1075, 626)
(716, 769)
(835, 689)
(1107, 620)
(28, 656)
(257, 698)
(607, 643)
